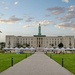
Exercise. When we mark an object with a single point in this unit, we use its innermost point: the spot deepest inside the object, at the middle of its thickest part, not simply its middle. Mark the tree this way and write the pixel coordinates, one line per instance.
(70, 44)
(52, 45)
(27, 45)
(2, 44)
(60, 45)
(24, 45)
(19, 45)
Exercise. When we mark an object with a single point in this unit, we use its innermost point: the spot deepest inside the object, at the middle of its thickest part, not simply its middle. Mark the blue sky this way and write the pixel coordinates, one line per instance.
(22, 17)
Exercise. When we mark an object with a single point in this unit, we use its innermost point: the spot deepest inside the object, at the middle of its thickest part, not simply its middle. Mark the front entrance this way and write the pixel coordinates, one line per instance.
(39, 43)
(39, 49)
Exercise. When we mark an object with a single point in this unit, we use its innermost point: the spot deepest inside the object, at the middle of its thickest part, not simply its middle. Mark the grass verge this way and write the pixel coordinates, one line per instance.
(69, 60)
(5, 59)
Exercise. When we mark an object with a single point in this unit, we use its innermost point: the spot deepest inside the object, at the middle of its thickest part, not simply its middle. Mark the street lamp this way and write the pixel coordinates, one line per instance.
(0, 32)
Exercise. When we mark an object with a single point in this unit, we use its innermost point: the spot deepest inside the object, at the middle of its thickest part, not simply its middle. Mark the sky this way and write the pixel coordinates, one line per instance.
(22, 17)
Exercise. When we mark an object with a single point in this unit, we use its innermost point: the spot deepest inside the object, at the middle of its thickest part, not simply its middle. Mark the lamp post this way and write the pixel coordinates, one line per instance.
(0, 31)
(0, 39)
(9, 43)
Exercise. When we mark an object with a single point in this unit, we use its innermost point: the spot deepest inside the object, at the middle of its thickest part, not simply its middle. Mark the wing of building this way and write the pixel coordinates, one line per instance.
(40, 40)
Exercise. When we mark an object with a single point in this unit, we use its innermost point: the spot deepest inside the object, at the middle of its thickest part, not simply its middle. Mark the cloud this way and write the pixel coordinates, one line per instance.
(1, 14)
(70, 14)
(66, 25)
(15, 3)
(72, 8)
(48, 15)
(3, 3)
(65, 1)
(34, 24)
(15, 19)
(68, 17)
(6, 7)
(42, 23)
(46, 22)
(11, 20)
(26, 26)
(30, 19)
(56, 10)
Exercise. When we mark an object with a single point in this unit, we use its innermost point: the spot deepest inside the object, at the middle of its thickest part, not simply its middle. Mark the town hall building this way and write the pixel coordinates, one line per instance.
(40, 41)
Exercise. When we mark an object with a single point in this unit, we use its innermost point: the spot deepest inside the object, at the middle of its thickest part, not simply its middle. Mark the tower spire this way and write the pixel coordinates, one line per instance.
(39, 30)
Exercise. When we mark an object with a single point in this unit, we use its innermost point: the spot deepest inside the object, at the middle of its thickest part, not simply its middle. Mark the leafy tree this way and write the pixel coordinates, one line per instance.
(2, 44)
(70, 44)
(19, 45)
(27, 45)
(24, 45)
(60, 45)
(52, 45)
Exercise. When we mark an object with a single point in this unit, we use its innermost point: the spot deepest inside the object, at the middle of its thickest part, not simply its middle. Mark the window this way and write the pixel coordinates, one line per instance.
(69, 38)
(31, 39)
(31, 42)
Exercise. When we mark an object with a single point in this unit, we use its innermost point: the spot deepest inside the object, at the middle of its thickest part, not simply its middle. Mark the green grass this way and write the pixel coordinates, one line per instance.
(5, 60)
(69, 60)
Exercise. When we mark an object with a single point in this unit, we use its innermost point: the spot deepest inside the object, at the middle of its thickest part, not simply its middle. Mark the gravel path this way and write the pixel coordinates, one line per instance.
(37, 64)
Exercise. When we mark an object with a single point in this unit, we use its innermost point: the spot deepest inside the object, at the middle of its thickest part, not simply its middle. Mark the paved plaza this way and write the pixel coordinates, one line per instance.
(37, 64)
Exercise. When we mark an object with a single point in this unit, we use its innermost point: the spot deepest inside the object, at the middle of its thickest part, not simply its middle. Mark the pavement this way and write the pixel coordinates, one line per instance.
(37, 64)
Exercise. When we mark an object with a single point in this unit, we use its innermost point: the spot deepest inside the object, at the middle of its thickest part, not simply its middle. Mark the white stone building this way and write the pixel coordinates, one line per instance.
(40, 40)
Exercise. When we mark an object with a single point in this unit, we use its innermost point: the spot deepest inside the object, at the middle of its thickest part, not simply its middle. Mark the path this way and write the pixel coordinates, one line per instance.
(37, 64)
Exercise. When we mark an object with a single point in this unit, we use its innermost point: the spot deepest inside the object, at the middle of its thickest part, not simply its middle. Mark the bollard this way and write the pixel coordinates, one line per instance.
(12, 62)
(62, 62)
(30, 53)
(26, 55)
(50, 55)
(46, 53)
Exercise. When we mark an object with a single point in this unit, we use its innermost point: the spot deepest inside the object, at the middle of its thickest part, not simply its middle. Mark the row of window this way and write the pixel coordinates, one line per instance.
(38, 38)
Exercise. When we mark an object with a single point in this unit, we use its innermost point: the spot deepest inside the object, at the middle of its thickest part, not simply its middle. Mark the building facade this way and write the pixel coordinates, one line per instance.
(40, 40)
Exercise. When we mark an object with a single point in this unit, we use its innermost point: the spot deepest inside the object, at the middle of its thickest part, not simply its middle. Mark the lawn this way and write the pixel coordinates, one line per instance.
(5, 60)
(69, 60)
